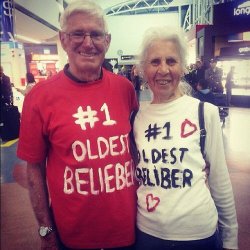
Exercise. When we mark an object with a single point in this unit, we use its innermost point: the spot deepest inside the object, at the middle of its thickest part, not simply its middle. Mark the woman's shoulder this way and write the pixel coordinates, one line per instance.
(194, 102)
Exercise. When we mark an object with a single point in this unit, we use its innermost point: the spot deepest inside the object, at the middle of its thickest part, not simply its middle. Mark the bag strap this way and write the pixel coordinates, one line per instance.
(202, 128)
(132, 146)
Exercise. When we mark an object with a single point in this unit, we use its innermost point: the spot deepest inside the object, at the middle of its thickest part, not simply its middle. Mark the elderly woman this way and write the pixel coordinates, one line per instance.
(176, 208)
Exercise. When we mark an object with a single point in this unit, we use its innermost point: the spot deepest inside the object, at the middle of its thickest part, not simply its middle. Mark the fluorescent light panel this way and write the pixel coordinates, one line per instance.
(28, 39)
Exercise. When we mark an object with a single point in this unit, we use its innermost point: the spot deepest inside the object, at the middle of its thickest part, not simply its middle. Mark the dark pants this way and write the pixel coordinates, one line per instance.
(148, 242)
(117, 248)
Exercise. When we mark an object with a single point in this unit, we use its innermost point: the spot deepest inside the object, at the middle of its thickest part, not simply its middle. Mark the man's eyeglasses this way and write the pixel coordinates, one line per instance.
(79, 36)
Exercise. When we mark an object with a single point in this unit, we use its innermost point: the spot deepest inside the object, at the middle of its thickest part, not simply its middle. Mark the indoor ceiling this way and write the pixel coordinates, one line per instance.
(37, 32)
(36, 29)
(31, 29)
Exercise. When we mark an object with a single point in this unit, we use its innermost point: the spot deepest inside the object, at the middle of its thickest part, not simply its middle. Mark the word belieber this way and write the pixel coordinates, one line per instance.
(96, 180)
(162, 176)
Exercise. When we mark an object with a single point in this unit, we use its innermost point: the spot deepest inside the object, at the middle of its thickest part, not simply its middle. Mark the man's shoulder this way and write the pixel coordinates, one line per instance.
(116, 78)
(6, 79)
(47, 86)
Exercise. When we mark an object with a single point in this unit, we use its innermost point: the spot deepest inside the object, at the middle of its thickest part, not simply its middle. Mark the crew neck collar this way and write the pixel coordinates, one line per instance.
(75, 79)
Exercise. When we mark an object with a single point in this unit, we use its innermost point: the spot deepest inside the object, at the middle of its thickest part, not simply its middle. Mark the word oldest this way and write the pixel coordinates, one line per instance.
(115, 145)
(164, 155)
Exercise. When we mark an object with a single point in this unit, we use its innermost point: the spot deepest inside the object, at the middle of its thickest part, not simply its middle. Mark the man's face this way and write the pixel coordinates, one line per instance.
(213, 64)
(198, 64)
(84, 53)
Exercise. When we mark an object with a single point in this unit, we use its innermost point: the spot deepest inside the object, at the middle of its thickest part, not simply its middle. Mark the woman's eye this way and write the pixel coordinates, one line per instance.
(171, 61)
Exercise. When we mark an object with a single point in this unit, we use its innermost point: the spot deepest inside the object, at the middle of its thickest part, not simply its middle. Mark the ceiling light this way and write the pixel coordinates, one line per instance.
(246, 36)
(28, 39)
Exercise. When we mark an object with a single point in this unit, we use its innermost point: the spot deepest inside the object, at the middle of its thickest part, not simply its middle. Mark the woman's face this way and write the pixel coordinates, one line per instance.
(163, 71)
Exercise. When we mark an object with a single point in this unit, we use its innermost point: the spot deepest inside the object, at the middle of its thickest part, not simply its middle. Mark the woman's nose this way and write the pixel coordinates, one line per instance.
(163, 68)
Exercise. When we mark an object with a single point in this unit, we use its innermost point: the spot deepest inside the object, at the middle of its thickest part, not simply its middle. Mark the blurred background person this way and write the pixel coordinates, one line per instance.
(30, 79)
(229, 84)
(214, 76)
(49, 74)
(203, 92)
(9, 116)
(136, 80)
(6, 90)
(200, 70)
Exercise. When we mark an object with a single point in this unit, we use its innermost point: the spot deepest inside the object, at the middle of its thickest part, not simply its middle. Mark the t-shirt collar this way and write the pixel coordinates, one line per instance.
(72, 77)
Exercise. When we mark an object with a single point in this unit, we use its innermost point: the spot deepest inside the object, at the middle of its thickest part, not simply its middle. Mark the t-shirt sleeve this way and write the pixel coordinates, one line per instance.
(32, 145)
(219, 179)
(133, 98)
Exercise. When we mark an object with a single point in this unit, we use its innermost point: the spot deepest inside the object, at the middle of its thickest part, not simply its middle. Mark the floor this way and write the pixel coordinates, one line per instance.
(18, 224)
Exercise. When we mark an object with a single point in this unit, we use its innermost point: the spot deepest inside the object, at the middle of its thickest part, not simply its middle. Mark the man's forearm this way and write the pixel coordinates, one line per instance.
(39, 193)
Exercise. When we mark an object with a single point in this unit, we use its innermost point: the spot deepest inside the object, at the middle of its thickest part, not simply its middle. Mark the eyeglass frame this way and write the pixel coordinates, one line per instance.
(82, 35)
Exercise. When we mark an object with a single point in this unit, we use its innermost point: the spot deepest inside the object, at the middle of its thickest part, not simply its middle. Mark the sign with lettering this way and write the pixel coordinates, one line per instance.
(127, 57)
(235, 51)
(242, 9)
(7, 26)
(235, 12)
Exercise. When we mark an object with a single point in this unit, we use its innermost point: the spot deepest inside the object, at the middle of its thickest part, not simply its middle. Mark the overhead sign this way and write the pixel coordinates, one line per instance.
(6, 16)
(235, 51)
(242, 9)
(127, 57)
(244, 50)
(235, 12)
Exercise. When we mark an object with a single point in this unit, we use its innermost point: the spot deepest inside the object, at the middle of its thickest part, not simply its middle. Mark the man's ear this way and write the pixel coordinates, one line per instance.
(107, 40)
(62, 39)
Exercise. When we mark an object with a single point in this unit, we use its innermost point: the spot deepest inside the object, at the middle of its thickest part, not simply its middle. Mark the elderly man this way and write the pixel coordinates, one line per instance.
(74, 137)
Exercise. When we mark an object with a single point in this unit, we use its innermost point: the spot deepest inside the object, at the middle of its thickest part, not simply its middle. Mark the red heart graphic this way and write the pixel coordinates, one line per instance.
(152, 202)
(187, 128)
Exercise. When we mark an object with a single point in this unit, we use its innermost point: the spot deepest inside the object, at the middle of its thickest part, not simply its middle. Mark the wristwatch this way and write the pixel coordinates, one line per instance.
(44, 231)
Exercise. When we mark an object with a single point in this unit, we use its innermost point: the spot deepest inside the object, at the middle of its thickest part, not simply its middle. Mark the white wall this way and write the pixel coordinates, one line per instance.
(13, 61)
(127, 31)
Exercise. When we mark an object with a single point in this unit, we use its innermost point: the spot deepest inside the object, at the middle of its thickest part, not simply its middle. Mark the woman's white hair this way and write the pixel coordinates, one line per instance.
(164, 33)
(82, 6)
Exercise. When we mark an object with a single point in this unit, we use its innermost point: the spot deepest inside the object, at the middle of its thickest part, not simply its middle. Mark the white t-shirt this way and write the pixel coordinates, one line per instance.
(174, 202)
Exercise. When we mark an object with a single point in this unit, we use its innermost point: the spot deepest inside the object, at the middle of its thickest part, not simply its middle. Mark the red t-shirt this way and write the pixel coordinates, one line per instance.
(82, 130)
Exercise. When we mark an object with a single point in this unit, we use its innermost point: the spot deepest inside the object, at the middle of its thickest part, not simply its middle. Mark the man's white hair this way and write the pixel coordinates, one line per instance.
(82, 6)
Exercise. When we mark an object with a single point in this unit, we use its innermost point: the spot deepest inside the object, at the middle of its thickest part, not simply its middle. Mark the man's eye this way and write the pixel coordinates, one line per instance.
(78, 34)
(96, 34)
(155, 62)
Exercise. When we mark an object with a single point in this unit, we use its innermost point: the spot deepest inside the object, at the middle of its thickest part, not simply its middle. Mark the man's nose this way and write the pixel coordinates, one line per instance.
(87, 40)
